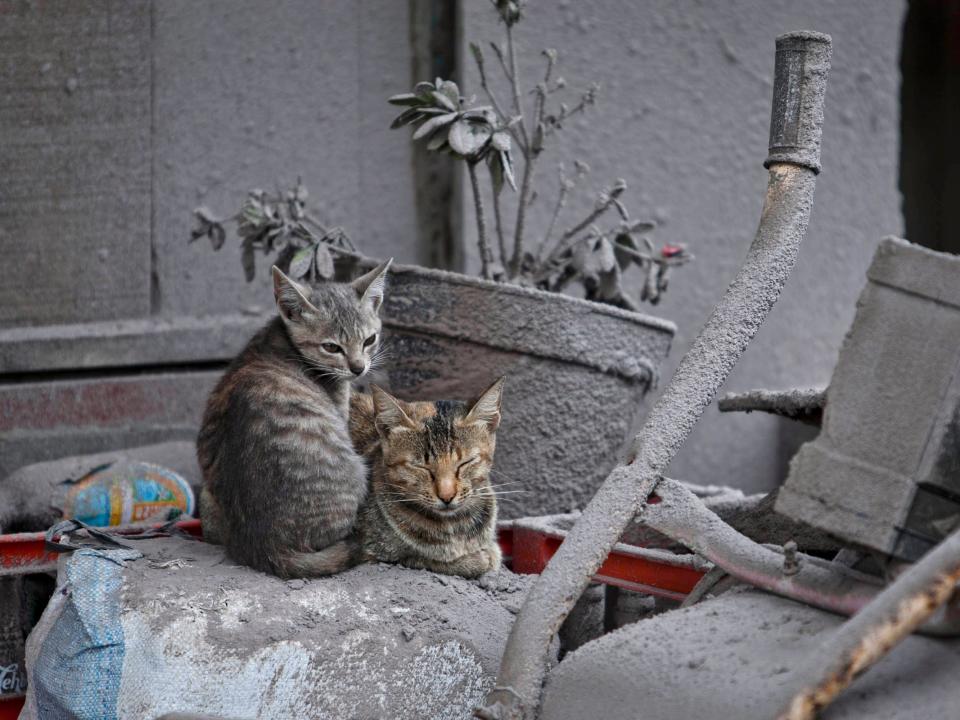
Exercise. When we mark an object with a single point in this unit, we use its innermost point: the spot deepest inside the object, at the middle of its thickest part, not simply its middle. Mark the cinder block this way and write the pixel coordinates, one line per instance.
(885, 471)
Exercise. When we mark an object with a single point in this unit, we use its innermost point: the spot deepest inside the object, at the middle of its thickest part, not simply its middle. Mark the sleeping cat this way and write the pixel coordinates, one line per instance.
(281, 477)
(431, 504)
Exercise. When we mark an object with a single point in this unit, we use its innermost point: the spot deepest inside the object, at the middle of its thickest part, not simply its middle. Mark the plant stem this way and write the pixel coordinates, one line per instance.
(515, 87)
(561, 201)
(528, 169)
(481, 223)
(587, 221)
(563, 243)
(531, 152)
(493, 101)
(499, 225)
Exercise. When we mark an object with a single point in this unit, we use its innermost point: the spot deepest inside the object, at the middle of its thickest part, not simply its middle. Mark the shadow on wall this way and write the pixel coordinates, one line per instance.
(790, 435)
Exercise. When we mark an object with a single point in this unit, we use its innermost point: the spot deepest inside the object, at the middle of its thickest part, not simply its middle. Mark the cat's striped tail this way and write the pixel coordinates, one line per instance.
(340, 556)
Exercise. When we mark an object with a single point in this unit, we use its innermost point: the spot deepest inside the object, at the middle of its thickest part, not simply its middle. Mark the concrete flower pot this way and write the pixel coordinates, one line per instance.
(577, 373)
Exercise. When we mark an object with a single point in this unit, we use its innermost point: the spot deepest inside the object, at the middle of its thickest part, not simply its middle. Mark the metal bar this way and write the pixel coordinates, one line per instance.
(527, 551)
(867, 637)
(655, 572)
(803, 60)
(10, 707)
(682, 516)
(25, 553)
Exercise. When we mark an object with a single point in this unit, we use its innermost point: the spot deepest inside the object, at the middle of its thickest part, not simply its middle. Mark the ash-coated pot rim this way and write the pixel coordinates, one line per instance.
(503, 288)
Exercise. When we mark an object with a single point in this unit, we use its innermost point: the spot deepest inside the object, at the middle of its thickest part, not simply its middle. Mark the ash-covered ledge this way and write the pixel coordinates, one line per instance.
(127, 343)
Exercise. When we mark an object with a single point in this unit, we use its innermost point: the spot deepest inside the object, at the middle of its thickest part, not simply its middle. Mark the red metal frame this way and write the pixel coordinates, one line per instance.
(525, 550)
(629, 567)
(10, 707)
(23, 553)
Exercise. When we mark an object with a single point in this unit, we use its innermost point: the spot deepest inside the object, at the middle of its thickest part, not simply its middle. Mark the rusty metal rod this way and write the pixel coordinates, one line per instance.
(682, 516)
(864, 639)
(802, 64)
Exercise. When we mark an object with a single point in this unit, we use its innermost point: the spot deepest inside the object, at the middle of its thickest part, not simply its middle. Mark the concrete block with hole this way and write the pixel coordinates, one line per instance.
(884, 473)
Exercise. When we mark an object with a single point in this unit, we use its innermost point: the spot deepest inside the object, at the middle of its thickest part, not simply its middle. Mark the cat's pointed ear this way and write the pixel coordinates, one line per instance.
(486, 410)
(389, 414)
(372, 285)
(291, 297)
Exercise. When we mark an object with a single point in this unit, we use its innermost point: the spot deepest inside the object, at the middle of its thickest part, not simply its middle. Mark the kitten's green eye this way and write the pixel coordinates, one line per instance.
(332, 348)
(370, 340)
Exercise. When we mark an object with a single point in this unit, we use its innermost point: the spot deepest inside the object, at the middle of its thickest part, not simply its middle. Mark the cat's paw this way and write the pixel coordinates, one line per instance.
(489, 558)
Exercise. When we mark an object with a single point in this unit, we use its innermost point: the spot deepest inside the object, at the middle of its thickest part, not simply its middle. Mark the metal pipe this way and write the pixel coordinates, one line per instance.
(802, 64)
(682, 516)
(864, 639)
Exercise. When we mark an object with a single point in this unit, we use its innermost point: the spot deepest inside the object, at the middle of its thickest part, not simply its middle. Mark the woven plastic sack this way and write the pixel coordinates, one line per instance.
(75, 653)
(177, 627)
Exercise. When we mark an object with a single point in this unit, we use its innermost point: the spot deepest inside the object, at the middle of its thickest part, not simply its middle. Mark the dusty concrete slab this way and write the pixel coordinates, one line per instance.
(733, 657)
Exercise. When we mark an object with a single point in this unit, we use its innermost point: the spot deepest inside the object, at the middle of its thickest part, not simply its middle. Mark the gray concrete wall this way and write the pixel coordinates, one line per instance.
(684, 117)
(118, 118)
(249, 94)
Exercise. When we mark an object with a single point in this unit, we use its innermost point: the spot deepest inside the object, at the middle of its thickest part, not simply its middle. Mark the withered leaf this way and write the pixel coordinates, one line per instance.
(301, 262)
(247, 258)
(323, 260)
(468, 138)
(218, 235)
(434, 124)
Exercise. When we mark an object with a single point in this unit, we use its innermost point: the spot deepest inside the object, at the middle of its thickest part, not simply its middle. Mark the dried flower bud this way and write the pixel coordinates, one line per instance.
(510, 10)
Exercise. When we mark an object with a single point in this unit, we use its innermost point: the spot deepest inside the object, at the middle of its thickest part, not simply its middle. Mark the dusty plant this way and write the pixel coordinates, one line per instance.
(492, 135)
(280, 223)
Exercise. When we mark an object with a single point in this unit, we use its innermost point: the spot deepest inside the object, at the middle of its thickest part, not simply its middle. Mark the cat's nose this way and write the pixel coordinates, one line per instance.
(357, 369)
(446, 491)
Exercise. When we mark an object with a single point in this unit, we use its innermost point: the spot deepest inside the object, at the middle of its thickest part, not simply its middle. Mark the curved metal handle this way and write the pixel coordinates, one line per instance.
(706, 365)
(799, 84)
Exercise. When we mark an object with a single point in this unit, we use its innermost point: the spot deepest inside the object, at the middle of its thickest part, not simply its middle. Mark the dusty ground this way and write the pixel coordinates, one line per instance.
(734, 657)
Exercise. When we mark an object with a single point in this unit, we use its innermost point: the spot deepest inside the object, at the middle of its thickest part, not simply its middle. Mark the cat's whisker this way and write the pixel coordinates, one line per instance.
(500, 474)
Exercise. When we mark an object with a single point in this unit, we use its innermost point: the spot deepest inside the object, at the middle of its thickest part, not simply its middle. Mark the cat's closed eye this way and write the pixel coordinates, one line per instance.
(468, 461)
(423, 468)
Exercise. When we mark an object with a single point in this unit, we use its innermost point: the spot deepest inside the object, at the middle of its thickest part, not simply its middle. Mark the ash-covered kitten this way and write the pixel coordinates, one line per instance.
(431, 504)
(281, 477)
